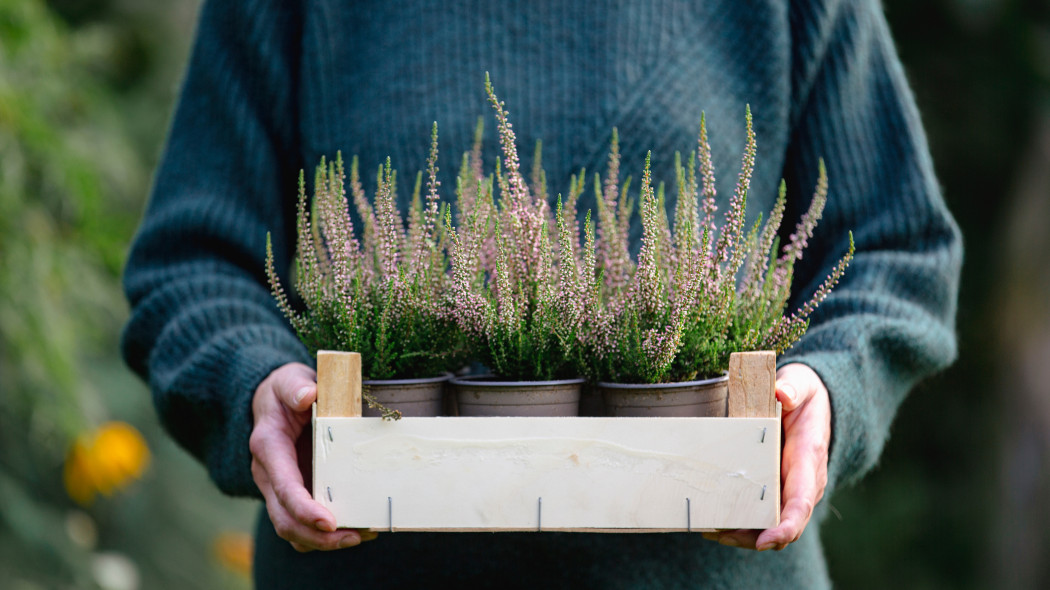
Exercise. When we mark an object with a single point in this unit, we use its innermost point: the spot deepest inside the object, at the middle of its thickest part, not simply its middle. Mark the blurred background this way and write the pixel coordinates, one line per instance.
(94, 495)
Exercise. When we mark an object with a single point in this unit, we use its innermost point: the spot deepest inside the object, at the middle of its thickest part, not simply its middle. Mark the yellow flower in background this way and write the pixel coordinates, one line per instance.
(234, 551)
(104, 461)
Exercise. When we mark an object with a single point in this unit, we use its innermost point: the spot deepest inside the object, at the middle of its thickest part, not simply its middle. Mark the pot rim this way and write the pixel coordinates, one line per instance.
(476, 380)
(711, 381)
(416, 381)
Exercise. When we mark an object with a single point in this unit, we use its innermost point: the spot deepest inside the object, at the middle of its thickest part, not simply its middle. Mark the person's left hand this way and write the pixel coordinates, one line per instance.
(804, 463)
(281, 414)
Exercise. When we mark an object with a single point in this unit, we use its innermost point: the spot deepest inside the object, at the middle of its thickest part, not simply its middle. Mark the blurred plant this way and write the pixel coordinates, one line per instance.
(79, 128)
(104, 461)
(60, 251)
(382, 295)
(234, 551)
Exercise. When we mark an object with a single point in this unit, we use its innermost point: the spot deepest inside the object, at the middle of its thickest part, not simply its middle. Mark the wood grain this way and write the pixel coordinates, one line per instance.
(338, 384)
(593, 474)
(752, 384)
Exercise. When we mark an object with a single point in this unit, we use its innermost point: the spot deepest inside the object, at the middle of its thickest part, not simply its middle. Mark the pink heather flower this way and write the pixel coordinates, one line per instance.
(311, 287)
(365, 211)
(668, 254)
(613, 221)
(577, 184)
(685, 282)
(337, 229)
(729, 247)
(420, 263)
(516, 187)
(506, 300)
(279, 295)
(388, 225)
(759, 257)
(463, 252)
(588, 286)
(570, 296)
(541, 281)
(804, 230)
(686, 218)
(707, 172)
(661, 346)
(648, 273)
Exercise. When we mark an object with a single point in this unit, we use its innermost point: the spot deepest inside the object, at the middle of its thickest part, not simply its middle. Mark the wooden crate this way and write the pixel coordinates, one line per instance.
(620, 475)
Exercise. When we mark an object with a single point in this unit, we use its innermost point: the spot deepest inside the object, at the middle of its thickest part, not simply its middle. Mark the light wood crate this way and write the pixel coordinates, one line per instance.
(453, 474)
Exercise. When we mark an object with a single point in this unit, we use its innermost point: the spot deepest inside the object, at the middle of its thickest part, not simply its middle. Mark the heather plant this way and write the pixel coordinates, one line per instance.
(523, 286)
(382, 293)
(698, 291)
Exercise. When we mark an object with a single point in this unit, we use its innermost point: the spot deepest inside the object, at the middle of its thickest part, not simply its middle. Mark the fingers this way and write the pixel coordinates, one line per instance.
(742, 538)
(295, 385)
(804, 469)
(278, 459)
(796, 385)
(803, 488)
(804, 464)
(279, 409)
(302, 536)
(275, 468)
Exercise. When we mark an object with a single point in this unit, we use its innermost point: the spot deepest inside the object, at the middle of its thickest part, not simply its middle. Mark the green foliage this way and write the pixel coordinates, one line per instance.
(699, 291)
(531, 302)
(522, 285)
(541, 338)
(382, 295)
(78, 133)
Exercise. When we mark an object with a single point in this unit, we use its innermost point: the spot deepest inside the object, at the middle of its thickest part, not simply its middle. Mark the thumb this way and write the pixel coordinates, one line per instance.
(296, 386)
(795, 385)
(788, 395)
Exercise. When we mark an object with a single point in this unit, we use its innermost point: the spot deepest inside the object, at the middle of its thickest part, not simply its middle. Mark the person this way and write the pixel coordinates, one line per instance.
(273, 85)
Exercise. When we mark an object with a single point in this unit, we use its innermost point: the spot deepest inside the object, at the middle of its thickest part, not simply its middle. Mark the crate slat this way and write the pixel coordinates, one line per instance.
(527, 474)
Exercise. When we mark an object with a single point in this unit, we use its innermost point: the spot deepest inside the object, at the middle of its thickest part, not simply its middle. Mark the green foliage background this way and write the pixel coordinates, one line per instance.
(85, 92)
(86, 89)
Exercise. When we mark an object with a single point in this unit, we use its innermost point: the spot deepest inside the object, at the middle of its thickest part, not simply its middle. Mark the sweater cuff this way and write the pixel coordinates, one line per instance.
(229, 463)
(852, 439)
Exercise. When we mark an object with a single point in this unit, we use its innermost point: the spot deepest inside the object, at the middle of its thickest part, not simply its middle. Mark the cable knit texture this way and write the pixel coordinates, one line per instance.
(272, 86)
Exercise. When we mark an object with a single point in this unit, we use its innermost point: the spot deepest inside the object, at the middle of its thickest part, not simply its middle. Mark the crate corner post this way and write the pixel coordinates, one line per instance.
(752, 384)
(338, 396)
(338, 384)
(752, 394)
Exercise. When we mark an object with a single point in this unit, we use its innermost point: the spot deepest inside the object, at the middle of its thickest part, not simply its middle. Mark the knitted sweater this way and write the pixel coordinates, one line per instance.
(274, 85)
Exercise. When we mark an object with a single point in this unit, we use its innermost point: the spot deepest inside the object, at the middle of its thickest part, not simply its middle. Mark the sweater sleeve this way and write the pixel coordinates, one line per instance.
(890, 322)
(204, 330)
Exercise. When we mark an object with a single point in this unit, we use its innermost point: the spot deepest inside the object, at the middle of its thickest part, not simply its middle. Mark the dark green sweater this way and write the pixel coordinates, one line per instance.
(272, 86)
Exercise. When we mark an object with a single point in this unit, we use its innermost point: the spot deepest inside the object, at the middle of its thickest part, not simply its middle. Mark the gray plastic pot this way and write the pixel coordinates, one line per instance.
(416, 398)
(485, 396)
(687, 399)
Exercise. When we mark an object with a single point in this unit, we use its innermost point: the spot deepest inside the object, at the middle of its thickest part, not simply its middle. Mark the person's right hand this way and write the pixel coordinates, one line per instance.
(281, 409)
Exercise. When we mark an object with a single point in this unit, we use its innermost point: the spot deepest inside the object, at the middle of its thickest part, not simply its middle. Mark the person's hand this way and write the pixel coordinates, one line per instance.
(804, 464)
(281, 409)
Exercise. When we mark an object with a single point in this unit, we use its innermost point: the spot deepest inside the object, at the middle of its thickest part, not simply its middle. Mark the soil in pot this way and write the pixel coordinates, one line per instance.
(415, 398)
(487, 396)
(706, 398)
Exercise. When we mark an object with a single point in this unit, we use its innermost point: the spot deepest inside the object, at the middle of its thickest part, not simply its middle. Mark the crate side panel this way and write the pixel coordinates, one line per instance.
(548, 473)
